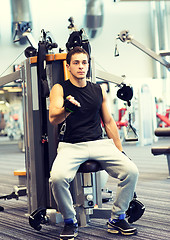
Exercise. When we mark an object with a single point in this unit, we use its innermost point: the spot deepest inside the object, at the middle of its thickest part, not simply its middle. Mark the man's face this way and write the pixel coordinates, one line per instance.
(78, 67)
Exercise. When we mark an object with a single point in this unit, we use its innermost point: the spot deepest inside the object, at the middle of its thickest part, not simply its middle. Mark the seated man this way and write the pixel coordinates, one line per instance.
(81, 105)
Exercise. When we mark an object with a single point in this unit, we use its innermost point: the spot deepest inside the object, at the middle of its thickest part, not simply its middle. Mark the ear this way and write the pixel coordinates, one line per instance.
(68, 67)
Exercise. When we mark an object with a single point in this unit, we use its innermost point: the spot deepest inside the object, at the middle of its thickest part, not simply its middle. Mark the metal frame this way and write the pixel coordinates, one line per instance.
(109, 77)
(36, 185)
(124, 36)
(11, 77)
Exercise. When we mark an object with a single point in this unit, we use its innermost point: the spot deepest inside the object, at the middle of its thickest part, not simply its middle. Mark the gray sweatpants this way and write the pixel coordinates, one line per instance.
(118, 165)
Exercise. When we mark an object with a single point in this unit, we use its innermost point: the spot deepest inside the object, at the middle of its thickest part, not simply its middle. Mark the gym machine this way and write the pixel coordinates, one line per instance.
(86, 192)
(86, 187)
(41, 140)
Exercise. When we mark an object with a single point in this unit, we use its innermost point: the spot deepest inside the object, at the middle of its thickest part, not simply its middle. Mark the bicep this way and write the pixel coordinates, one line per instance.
(56, 97)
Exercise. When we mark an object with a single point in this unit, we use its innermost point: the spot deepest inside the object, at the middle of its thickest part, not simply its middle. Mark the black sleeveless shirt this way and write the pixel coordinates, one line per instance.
(84, 124)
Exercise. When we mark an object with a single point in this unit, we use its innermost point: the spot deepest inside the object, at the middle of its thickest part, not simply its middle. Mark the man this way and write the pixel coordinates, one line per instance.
(81, 105)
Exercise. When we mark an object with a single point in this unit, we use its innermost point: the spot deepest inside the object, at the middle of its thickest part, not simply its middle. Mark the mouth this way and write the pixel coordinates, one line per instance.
(81, 73)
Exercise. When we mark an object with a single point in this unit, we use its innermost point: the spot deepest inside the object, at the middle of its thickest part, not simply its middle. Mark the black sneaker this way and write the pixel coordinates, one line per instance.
(120, 226)
(69, 232)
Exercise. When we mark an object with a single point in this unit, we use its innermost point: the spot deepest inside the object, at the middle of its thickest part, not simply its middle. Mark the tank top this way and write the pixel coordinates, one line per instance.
(85, 123)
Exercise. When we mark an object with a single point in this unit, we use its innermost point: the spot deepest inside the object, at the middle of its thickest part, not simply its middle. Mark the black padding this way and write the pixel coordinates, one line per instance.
(125, 93)
(30, 52)
(135, 211)
(160, 150)
(162, 132)
(74, 40)
(1, 208)
(90, 166)
(37, 217)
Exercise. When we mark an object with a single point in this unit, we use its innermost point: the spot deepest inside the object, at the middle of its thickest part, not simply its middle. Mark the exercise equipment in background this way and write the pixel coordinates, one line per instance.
(125, 93)
(130, 133)
(124, 36)
(164, 120)
(21, 20)
(122, 122)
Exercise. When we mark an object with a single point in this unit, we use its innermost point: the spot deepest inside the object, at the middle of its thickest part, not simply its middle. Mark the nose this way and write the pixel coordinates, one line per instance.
(80, 65)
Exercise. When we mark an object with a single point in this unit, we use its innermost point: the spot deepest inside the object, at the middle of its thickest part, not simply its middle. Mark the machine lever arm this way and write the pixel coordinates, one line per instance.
(124, 36)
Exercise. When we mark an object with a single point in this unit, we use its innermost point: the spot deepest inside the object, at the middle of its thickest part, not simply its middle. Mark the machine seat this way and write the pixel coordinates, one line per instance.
(90, 166)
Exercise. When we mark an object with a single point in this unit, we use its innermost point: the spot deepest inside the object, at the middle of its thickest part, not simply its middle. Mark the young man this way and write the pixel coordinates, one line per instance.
(82, 105)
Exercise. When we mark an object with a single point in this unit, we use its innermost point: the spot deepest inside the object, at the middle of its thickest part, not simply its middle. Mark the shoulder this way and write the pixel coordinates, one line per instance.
(104, 94)
(57, 89)
(62, 84)
(95, 91)
(94, 85)
(97, 88)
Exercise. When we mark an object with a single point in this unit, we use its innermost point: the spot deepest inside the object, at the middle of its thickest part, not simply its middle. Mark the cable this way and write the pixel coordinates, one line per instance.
(12, 63)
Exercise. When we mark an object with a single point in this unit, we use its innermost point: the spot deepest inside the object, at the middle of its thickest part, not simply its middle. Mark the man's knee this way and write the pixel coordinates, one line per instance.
(57, 177)
(133, 171)
(60, 177)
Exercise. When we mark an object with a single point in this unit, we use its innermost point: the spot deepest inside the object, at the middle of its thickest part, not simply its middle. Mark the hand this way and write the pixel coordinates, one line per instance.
(70, 104)
(73, 101)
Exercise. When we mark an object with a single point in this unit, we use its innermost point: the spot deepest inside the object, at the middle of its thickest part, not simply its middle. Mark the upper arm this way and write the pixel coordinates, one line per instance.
(57, 113)
(106, 115)
(56, 96)
(109, 123)
(56, 101)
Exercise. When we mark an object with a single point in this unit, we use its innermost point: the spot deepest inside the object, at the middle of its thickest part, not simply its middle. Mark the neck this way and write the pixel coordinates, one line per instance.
(78, 82)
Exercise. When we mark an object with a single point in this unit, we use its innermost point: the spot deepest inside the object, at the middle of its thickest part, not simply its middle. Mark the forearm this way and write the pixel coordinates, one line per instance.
(109, 123)
(112, 132)
(57, 115)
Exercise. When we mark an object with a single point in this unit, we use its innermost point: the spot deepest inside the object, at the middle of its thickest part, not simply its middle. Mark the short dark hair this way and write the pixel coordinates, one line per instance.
(74, 51)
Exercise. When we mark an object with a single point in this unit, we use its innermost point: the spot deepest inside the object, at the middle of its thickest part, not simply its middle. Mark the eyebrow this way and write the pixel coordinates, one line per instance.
(85, 60)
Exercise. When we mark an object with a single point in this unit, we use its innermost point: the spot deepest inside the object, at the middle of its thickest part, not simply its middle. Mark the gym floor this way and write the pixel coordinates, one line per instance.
(152, 190)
